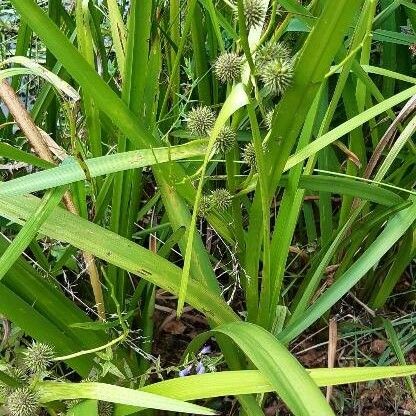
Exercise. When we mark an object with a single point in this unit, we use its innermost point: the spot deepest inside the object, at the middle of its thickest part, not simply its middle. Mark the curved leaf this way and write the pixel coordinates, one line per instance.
(393, 231)
(50, 391)
(119, 251)
(277, 365)
(233, 383)
(71, 171)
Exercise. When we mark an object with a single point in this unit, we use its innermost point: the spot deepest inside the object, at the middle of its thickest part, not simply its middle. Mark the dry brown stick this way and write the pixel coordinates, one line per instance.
(385, 140)
(24, 121)
(6, 331)
(388, 135)
(41, 148)
(332, 351)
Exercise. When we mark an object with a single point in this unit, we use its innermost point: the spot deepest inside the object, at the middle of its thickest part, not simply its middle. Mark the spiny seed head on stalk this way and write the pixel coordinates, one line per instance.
(249, 156)
(225, 140)
(277, 75)
(23, 402)
(268, 119)
(69, 404)
(201, 120)
(271, 51)
(227, 67)
(254, 12)
(17, 374)
(105, 408)
(38, 357)
(205, 206)
(221, 199)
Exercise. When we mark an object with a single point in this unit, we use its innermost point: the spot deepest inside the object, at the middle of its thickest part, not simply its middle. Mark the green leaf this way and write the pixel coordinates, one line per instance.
(33, 68)
(233, 383)
(71, 171)
(280, 368)
(29, 230)
(347, 127)
(119, 251)
(348, 186)
(51, 391)
(86, 408)
(393, 231)
(394, 37)
(16, 154)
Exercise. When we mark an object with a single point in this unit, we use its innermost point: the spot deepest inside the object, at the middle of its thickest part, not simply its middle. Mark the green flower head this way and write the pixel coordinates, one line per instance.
(226, 139)
(249, 156)
(268, 119)
(205, 206)
(105, 408)
(277, 75)
(255, 12)
(271, 51)
(201, 120)
(227, 67)
(38, 358)
(23, 402)
(221, 199)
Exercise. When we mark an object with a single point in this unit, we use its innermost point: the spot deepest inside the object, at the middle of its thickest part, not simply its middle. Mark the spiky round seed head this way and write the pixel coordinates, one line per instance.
(23, 402)
(17, 374)
(277, 75)
(271, 51)
(205, 206)
(201, 120)
(227, 67)
(38, 357)
(225, 140)
(69, 404)
(5, 391)
(105, 408)
(268, 119)
(221, 199)
(254, 12)
(249, 156)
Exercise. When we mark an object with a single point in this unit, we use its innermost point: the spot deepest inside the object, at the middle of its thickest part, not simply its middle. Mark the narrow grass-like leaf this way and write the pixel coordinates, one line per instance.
(348, 126)
(30, 229)
(393, 231)
(51, 391)
(284, 373)
(404, 256)
(118, 32)
(395, 345)
(71, 171)
(33, 68)
(237, 99)
(13, 153)
(119, 251)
